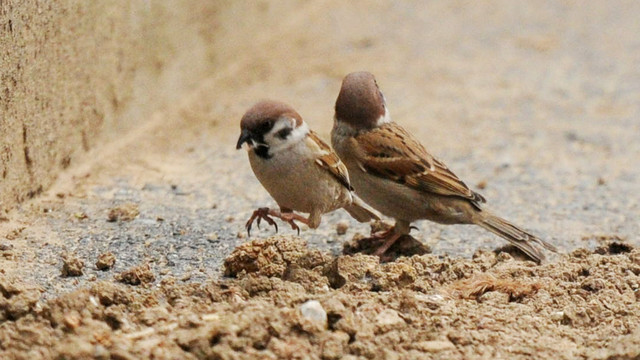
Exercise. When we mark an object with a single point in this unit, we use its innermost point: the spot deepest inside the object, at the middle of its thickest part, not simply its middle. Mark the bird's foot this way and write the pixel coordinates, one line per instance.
(387, 242)
(261, 213)
(267, 214)
(385, 237)
(291, 217)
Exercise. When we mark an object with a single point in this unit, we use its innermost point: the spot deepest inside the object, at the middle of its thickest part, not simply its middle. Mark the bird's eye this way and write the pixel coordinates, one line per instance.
(282, 134)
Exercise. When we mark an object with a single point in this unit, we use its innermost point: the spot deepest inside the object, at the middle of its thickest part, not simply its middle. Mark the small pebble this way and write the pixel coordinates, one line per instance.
(314, 311)
(432, 301)
(81, 215)
(186, 277)
(557, 316)
(504, 257)
(72, 320)
(342, 226)
(435, 346)
(4, 247)
(388, 319)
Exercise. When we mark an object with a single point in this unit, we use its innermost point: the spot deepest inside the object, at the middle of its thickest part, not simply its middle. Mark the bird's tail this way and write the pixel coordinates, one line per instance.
(360, 211)
(521, 239)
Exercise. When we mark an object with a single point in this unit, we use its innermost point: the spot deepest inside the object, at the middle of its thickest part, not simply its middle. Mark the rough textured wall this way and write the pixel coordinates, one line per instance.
(75, 73)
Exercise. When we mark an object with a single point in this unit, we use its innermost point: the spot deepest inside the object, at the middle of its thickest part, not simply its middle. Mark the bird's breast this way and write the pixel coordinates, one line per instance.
(296, 182)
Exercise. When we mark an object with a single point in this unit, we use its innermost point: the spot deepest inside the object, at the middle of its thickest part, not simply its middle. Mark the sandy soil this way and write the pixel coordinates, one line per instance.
(284, 300)
(139, 251)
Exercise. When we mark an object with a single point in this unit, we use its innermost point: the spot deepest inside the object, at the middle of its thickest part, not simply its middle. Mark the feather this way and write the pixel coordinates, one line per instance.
(391, 152)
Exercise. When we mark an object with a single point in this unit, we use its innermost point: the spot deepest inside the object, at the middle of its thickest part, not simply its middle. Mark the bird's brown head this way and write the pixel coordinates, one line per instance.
(269, 126)
(360, 103)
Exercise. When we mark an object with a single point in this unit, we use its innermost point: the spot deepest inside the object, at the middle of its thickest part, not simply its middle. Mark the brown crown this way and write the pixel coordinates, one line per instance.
(360, 102)
(267, 111)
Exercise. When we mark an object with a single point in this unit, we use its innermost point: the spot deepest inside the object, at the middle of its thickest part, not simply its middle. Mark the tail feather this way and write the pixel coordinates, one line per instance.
(521, 239)
(361, 212)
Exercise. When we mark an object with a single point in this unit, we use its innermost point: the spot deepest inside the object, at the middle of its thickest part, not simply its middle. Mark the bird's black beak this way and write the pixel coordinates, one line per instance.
(244, 137)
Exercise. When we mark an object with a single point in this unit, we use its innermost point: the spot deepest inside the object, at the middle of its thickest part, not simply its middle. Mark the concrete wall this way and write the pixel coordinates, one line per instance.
(77, 73)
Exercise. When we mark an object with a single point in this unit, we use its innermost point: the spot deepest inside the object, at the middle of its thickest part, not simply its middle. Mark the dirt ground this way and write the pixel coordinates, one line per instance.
(284, 300)
(139, 250)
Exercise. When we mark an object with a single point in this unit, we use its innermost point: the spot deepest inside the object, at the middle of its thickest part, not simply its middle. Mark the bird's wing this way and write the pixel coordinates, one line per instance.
(392, 153)
(327, 159)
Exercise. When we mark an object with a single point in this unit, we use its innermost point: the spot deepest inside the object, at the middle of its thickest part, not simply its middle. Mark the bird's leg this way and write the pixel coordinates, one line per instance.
(289, 216)
(261, 213)
(383, 234)
(389, 241)
(390, 236)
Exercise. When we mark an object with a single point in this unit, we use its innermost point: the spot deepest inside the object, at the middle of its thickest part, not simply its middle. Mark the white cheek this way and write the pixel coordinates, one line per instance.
(384, 119)
(276, 144)
(272, 138)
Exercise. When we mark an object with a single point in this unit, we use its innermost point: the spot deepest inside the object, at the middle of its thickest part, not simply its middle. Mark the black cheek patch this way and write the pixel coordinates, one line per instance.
(282, 134)
(258, 138)
(262, 151)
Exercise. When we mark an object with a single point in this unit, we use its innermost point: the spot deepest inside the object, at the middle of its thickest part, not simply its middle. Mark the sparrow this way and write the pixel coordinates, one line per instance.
(391, 171)
(297, 168)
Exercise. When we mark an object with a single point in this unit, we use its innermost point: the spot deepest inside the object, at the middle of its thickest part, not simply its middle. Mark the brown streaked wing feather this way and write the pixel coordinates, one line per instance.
(328, 160)
(391, 152)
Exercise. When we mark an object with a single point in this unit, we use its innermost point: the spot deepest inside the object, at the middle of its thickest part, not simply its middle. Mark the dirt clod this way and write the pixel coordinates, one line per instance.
(105, 261)
(16, 299)
(388, 320)
(124, 212)
(614, 248)
(405, 246)
(137, 275)
(483, 283)
(271, 257)
(352, 270)
(72, 266)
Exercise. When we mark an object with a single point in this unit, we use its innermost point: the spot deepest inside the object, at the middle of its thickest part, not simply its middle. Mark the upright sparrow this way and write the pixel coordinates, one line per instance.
(296, 167)
(394, 173)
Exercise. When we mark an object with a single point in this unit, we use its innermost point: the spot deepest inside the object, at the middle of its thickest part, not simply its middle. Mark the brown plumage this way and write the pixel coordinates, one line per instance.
(394, 173)
(328, 160)
(297, 168)
(390, 151)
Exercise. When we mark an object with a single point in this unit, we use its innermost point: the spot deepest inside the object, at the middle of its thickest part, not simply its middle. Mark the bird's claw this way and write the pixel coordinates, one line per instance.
(294, 226)
(260, 214)
(291, 222)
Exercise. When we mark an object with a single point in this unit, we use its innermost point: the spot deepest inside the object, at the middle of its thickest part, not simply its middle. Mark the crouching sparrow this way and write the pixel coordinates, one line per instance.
(297, 168)
(391, 171)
